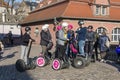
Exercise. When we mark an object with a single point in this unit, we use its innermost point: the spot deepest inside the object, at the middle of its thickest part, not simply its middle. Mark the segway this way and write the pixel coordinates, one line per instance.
(44, 60)
(60, 63)
(20, 64)
(81, 61)
(118, 52)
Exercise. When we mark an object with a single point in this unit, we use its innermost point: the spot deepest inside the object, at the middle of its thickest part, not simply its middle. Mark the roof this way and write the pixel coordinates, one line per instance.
(70, 9)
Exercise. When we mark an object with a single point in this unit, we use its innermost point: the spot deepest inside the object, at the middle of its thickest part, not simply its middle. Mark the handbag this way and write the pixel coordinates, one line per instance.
(73, 49)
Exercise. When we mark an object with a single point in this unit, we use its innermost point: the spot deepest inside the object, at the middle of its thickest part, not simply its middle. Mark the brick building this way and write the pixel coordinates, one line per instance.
(102, 14)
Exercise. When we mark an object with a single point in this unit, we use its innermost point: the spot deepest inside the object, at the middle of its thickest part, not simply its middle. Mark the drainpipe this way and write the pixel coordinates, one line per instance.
(3, 20)
(3, 17)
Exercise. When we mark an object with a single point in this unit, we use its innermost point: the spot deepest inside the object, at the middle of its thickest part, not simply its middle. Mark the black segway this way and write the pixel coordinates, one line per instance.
(81, 61)
(20, 64)
(44, 60)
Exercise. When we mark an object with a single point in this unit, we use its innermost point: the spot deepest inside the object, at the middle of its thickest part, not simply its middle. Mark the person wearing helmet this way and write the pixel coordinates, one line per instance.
(61, 43)
(45, 38)
(25, 42)
(71, 37)
(81, 37)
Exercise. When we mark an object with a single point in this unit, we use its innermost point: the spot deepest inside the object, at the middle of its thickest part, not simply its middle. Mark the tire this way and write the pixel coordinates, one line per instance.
(31, 64)
(42, 61)
(78, 62)
(20, 65)
(56, 64)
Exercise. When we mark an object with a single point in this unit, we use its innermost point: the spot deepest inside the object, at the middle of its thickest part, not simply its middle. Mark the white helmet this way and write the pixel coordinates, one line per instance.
(64, 24)
(45, 26)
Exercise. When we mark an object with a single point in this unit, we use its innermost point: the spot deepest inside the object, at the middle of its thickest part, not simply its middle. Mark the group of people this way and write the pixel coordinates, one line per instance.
(84, 37)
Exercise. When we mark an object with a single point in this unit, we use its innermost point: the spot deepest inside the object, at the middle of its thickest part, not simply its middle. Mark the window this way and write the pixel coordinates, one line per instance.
(104, 10)
(115, 34)
(101, 10)
(97, 10)
(101, 29)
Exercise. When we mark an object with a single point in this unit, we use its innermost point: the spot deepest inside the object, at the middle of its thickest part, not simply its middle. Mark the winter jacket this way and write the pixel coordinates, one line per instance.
(45, 37)
(81, 34)
(102, 42)
(25, 39)
(71, 36)
(90, 36)
(61, 38)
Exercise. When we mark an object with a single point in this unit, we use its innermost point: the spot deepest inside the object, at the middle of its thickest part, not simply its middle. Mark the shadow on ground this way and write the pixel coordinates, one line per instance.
(116, 65)
(9, 72)
(8, 56)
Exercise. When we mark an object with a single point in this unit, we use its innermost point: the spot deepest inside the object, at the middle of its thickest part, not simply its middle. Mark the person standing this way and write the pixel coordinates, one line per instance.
(1, 49)
(10, 38)
(45, 38)
(71, 37)
(62, 43)
(90, 40)
(81, 37)
(25, 44)
(96, 45)
(103, 46)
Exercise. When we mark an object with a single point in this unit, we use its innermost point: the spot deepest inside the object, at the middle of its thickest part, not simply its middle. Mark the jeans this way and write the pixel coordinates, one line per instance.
(81, 44)
(24, 53)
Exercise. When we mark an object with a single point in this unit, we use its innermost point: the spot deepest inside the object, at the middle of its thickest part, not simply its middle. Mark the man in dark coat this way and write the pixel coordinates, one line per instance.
(81, 37)
(24, 44)
(45, 38)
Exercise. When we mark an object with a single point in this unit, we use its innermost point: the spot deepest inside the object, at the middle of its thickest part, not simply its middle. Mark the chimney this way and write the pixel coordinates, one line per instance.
(3, 17)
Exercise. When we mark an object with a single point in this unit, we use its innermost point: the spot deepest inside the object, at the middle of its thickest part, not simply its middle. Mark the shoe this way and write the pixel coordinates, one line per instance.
(102, 60)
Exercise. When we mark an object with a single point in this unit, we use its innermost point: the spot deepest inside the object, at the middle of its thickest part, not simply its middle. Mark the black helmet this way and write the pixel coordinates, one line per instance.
(27, 28)
(80, 22)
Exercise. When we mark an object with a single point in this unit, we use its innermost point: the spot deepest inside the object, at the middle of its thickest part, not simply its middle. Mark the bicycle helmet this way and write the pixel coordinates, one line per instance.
(80, 22)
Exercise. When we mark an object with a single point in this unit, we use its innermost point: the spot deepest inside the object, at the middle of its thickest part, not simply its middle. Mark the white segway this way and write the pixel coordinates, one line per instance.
(20, 64)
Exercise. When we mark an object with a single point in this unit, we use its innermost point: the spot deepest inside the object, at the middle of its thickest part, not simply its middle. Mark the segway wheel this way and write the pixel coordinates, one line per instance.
(78, 62)
(42, 61)
(56, 64)
(31, 64)
(20, 65)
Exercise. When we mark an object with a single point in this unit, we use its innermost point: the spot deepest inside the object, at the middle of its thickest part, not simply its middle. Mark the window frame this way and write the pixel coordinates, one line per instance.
(115, 34)
(101, 29)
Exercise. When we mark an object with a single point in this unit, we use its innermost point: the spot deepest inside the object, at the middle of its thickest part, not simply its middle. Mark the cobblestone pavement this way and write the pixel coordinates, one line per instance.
(95, 71)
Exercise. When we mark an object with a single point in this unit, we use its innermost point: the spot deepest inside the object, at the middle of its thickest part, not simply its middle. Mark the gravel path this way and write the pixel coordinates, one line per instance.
(95, 71)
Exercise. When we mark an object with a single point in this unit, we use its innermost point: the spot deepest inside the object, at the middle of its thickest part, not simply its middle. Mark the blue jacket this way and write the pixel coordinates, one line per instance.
(81, 34)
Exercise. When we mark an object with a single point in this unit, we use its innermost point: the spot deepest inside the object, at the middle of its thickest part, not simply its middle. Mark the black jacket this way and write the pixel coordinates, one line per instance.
(45, 37)
(90, 36)
(25, 39)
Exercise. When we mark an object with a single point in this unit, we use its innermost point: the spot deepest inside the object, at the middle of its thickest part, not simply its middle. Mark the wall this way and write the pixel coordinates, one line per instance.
(4, 29)
(109, 26)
